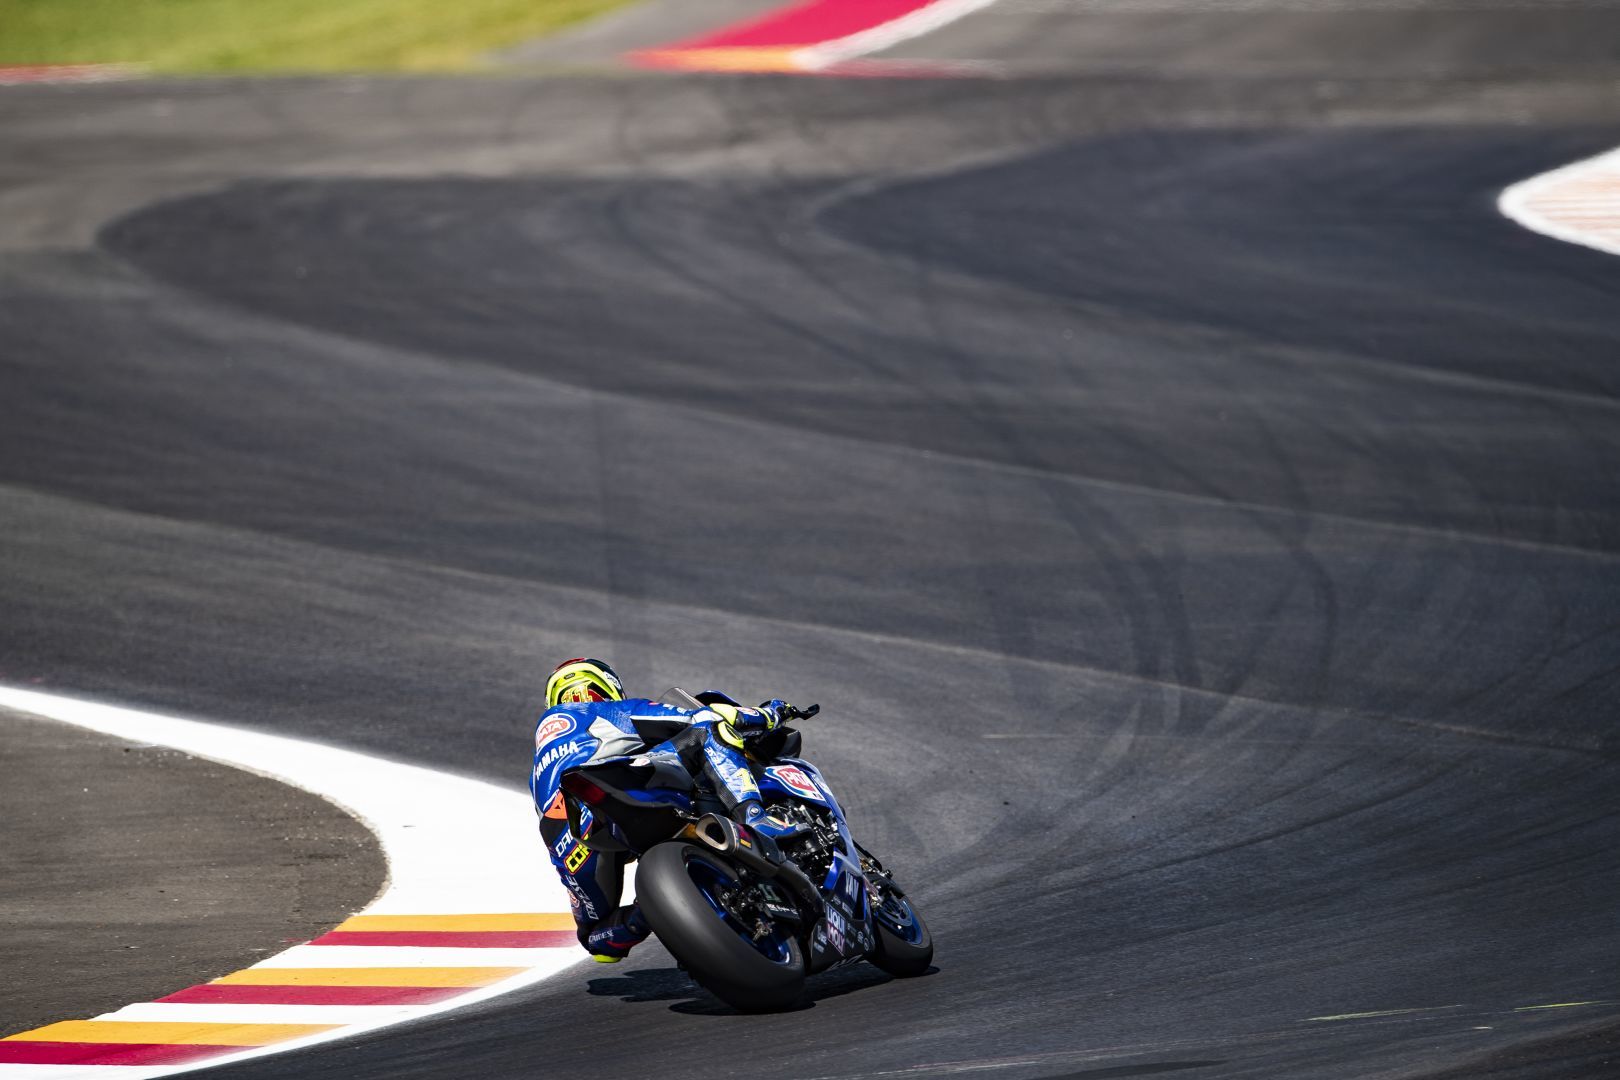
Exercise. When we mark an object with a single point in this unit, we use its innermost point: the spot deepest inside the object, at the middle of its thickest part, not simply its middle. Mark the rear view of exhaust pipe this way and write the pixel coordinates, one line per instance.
(718, 833)
(758, 853)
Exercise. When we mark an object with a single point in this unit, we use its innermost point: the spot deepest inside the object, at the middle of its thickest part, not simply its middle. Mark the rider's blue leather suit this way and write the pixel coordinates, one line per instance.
(570, 735)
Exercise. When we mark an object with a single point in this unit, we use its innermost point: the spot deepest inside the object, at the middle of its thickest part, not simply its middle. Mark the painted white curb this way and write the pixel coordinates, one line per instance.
(454, 846)
(886, 35)
(1578, 203)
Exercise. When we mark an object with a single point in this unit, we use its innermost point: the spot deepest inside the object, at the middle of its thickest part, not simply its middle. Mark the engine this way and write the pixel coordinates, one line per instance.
(812, 849)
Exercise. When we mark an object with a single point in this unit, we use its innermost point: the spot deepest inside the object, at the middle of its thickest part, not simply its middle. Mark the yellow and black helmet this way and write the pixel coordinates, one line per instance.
(583, 679)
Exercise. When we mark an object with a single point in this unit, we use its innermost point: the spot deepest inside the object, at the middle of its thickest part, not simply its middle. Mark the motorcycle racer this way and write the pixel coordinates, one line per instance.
(588, 720)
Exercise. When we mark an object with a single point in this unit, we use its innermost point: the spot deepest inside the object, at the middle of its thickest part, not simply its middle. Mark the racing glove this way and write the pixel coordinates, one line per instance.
(779, 711)
(739, 724)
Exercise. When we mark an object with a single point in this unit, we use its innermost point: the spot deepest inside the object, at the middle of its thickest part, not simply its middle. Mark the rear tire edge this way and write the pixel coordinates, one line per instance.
(710, 951)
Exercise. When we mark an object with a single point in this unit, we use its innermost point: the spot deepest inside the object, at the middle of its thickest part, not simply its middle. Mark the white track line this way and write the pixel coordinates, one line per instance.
(1578, 203)
(166, 1012)
(886, 35)
(370, 956)
(453, 845)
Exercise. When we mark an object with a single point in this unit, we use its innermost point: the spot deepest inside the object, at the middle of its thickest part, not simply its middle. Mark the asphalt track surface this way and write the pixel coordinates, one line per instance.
(1193, 505)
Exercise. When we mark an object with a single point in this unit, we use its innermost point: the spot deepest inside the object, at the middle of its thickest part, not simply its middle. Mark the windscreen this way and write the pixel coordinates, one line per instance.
(679, 698)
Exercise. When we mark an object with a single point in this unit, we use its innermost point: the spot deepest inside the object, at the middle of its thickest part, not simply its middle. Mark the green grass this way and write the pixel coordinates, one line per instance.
(277, 35)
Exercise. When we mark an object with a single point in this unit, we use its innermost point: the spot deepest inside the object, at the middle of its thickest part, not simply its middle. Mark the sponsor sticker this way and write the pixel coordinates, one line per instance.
(842, 926)
(579, 901)
(576, 858)
(794, 779)
(553, 727)
(555, 754)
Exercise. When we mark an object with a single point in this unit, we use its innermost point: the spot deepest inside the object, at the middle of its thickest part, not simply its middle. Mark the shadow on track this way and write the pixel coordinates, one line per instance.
(645, 985)
(1150, 1069)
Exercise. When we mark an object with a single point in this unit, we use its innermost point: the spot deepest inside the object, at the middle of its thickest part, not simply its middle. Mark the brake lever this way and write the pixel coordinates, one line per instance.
(805, 714)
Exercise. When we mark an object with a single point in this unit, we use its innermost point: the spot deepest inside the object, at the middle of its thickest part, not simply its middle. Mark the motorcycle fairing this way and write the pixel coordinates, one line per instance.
(639, 793)
(794, 780)
(843, 934)
(641, 813)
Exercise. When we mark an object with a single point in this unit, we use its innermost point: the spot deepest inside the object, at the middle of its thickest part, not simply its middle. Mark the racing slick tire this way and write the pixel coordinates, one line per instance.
(906, 948)
(674, 886)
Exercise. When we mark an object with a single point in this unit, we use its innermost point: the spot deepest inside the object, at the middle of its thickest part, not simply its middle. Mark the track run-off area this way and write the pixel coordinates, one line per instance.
(466, 914)
(1194, 502)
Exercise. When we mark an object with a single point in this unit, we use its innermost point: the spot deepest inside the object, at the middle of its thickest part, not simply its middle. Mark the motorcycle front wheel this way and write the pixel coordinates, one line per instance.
(691, 897)
(904, 947)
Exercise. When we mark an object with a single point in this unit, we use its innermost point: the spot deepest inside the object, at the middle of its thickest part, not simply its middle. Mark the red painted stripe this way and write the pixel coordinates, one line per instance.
(25, 1052)
(46, 73)
(802, 24)
(458, 939)
(237, 994)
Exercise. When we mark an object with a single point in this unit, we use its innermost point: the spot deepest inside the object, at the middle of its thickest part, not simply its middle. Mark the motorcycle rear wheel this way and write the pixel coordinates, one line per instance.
(677, 886)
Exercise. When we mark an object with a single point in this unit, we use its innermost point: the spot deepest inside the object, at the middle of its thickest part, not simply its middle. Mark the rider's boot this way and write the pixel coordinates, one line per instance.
(612, 939)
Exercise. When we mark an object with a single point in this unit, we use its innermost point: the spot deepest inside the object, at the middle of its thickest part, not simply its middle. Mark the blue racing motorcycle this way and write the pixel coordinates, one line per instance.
(747, 916)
